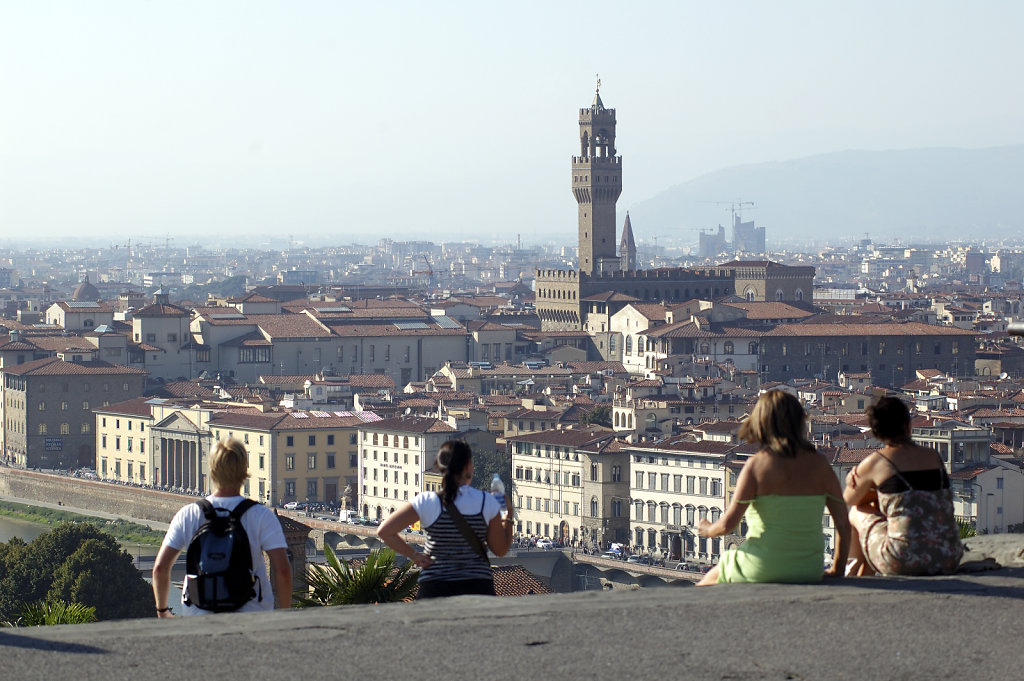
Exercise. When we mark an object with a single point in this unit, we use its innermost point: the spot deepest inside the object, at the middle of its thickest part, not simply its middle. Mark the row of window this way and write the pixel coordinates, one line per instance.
(371, 353)
(64, 405)
(694, 485)
(289, 461)
(383, 440)
(405, 457)
(117, 422)
(117, 443)
(844, 348)
(405, 476)
(674, 514)
(384, 490)
(65, 429)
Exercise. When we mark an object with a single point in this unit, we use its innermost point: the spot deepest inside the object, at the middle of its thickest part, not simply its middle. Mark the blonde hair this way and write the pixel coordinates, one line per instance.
(229, 464)
(777, 424)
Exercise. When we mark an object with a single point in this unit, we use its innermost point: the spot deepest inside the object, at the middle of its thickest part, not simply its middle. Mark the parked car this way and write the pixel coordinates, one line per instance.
(295, 506)
(633, 559)
(544, 544)
(611, 555)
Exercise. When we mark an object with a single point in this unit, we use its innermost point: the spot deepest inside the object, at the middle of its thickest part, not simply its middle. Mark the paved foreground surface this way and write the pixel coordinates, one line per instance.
(961, 627)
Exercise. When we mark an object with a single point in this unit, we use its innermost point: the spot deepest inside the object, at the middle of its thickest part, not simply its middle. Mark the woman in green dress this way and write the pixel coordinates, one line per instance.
(783, 489)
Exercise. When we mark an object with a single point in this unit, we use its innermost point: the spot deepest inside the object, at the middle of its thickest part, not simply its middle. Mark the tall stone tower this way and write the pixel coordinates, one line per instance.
(596, 184)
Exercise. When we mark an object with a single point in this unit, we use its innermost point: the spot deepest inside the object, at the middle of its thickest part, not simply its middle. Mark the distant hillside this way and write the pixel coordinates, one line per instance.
(913, 195)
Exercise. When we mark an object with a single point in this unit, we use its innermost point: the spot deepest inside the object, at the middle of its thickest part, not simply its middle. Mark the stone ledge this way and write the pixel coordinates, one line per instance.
(962, 626)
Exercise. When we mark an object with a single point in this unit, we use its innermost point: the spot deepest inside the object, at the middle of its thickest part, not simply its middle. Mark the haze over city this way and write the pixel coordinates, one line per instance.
(331, 122)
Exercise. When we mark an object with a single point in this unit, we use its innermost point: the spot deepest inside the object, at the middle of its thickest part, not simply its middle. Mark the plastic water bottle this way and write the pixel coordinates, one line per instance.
(498, 490)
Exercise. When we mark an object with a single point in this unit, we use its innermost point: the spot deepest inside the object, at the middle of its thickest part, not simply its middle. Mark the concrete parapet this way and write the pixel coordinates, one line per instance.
(964, 627)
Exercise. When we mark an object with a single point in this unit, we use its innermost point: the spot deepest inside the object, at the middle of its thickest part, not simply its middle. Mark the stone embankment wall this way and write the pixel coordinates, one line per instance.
(122, 501)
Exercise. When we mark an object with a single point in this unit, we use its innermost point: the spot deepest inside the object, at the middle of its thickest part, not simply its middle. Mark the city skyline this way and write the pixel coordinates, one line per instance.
(279, 122)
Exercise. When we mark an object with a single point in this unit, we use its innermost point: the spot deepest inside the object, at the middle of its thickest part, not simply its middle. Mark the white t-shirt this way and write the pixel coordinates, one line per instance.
(265, 534)
(467, 500)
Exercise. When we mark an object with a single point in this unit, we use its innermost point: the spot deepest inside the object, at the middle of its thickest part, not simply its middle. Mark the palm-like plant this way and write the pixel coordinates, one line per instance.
(45, 613)
(377, 580)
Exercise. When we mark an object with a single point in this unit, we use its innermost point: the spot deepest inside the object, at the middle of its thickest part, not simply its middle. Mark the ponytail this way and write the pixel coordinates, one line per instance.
(452, 458)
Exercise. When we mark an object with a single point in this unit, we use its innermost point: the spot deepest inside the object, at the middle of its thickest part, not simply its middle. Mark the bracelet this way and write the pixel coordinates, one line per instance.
(163, 609)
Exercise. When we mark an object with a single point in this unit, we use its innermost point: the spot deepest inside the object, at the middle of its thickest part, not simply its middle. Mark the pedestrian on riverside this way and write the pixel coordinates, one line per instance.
(459, 523)
(228, 472)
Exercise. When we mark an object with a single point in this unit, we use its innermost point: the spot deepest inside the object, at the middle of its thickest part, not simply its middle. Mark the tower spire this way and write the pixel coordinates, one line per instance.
(627, 247)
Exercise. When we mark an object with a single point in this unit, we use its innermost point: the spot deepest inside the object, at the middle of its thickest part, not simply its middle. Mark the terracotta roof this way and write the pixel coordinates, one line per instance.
(858, 329)
(161, 310)
(567, 437)
(371, 381)
(770, 310)
(52, 366)
(271, 379)
(515, 580)
(969, 473)
(140, 406)
(846, 455)
(411, 424)
(596, 367)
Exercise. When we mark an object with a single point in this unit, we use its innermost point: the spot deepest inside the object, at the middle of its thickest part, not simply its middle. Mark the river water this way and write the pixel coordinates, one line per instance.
(23, 529)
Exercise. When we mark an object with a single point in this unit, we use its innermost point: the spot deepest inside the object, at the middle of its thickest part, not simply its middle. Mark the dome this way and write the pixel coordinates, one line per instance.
(85, 292)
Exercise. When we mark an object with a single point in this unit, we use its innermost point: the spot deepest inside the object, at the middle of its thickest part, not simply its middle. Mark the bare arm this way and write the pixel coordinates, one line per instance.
(388, 532)
(746, 490)
(162, 578)
(281, 575)
(859, 484)
(499, 533)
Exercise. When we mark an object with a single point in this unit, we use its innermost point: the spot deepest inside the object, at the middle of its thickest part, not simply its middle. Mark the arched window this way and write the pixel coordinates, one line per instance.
(778, 295)
(593, 507)
(629, 345)
(375, 438)
(405, 442)
(705, 348)
(651, 420)
(752, 347)
(384, 440)
(640, 345)
(799, 295)
(629, 419)
(727, 348)
(617, 419)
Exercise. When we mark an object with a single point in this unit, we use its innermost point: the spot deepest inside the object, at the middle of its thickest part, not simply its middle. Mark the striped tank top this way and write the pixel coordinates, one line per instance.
(454, 559)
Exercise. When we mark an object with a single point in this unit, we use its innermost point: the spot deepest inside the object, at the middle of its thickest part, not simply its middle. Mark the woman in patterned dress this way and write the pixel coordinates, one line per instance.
(901, 505)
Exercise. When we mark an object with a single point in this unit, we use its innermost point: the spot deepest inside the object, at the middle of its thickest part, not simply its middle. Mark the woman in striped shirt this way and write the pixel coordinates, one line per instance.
(451, 564)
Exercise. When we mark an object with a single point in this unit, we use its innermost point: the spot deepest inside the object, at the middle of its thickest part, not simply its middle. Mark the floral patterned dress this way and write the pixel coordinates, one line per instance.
(918, 535)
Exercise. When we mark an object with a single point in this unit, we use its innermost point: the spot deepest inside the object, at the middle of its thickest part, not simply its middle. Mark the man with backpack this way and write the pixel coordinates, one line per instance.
(226, 536)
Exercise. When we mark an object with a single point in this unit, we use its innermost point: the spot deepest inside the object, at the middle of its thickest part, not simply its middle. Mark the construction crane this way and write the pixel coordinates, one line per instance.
(429, 272)
(735, 207)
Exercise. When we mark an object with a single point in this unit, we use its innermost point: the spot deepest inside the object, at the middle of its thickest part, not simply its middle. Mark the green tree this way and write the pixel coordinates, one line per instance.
(598, 416)
(75, 563)
(377, 580)
(46, 613)
(488, 462)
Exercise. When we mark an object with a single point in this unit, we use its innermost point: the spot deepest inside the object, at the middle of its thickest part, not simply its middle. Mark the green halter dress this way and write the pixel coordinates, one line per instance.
(784, 542)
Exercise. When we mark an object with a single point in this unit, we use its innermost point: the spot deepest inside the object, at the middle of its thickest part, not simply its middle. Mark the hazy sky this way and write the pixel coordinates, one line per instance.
(343, 122)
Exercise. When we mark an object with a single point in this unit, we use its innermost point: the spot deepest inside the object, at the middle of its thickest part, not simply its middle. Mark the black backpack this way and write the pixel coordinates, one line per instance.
(219, 561)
